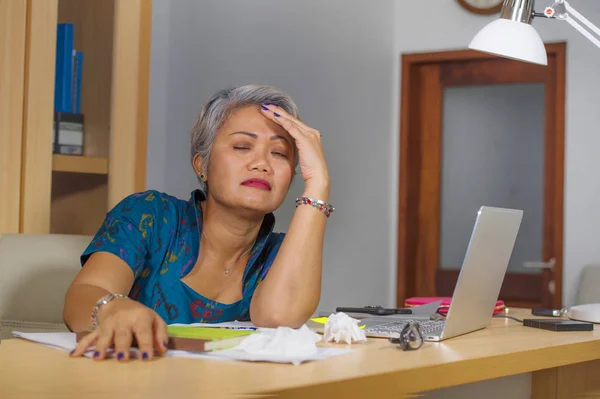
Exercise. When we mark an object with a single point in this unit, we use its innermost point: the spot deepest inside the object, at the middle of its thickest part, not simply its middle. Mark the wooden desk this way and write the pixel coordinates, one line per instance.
(376, 369)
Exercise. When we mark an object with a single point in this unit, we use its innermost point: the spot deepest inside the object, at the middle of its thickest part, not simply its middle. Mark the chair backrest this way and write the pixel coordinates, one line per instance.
(588, 290)
(35, 273)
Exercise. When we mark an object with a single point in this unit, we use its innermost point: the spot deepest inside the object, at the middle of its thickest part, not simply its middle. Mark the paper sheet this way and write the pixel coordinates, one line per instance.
(67, 342)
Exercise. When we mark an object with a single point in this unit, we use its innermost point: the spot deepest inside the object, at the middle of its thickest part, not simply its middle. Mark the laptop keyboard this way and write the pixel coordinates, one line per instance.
(426, 327)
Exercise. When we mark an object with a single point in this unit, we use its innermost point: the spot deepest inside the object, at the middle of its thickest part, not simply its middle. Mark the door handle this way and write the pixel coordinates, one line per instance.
(540, 265)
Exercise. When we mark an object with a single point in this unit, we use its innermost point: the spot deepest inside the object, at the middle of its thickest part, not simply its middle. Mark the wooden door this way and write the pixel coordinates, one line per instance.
(442, 178)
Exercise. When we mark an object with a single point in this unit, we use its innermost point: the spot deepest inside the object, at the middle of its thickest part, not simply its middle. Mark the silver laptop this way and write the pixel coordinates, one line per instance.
(478, 286)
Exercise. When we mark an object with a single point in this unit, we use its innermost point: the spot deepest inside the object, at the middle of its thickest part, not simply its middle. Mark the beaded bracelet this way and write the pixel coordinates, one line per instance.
(323, 206)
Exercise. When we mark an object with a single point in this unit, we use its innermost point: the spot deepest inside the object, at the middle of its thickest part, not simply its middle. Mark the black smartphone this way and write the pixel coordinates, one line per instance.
(547, 312)
(375, 310)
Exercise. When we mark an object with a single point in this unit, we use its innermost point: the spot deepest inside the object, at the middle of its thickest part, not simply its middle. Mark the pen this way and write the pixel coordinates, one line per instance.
(240, 328)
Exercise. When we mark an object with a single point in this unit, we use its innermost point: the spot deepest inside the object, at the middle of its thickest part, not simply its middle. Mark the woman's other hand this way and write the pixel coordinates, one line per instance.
(119, 321)
(313, 165)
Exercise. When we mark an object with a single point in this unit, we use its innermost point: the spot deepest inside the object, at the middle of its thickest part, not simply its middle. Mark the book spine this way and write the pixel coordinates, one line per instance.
(64, 68)
(55, 134)
(78, 73)
(60, 45)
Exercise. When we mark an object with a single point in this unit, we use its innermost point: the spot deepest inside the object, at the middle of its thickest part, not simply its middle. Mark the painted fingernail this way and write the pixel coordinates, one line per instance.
(263, 107)
(276, 114)
(165, 344)
(96, 354)
(145, 356)
(120, 356)
(71, 353)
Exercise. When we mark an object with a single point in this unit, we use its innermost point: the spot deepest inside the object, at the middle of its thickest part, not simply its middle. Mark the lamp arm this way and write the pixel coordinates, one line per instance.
(561, 9)
(583, 19)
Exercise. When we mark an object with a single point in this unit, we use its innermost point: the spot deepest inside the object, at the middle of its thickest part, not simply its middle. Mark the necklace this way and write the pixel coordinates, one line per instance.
(228, 269)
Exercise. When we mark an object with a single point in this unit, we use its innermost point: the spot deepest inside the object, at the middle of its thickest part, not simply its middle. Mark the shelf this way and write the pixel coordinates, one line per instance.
(79, 164)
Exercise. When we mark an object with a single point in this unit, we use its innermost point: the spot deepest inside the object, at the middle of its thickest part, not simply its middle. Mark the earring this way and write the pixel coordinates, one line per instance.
(202, 176)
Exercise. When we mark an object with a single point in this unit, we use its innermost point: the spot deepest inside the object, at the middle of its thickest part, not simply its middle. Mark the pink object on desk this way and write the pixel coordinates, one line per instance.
(443, 309)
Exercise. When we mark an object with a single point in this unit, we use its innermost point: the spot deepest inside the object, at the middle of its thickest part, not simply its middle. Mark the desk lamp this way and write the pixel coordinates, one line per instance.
(513, 37)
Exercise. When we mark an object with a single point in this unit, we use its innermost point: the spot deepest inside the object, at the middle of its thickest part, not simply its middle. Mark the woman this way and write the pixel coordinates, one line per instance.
(158, 260)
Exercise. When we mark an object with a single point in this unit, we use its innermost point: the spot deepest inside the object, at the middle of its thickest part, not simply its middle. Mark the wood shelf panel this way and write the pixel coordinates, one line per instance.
(13, 24)
(79, 164)
(79, 203)
(38, 110)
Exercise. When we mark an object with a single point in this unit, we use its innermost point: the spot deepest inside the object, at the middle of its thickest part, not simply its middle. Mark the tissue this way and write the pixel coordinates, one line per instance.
(283, 341)
(341, 327)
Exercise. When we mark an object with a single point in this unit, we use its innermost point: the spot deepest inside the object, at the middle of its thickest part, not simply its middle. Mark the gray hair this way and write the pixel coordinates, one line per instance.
(221, 105)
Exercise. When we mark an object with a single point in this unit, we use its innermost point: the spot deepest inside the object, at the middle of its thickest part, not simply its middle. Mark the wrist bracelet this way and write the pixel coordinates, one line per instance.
(101, 302)
(323, 206)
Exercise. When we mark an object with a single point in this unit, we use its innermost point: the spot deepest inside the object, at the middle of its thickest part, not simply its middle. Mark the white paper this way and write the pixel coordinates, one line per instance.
(283, 345)
(68, 341)
(282, 341)
(322, 353)
(65, 341)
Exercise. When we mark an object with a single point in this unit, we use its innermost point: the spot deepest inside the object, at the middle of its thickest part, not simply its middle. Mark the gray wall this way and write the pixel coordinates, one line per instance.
(340, 61)
(336, 60)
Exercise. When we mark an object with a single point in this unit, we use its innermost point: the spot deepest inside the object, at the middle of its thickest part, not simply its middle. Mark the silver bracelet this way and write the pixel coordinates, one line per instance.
(101, 302)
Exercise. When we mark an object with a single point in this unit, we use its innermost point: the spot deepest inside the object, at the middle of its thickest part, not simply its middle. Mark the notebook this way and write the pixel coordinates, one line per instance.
(198, 339)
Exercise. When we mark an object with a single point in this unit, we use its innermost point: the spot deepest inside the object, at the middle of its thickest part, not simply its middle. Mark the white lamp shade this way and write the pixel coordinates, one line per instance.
(511, 39)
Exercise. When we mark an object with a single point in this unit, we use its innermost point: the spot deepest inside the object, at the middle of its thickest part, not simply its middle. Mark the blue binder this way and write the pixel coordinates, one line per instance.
(63, 83)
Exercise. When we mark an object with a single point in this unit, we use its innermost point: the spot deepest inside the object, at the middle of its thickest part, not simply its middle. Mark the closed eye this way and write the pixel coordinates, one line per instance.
(279, 154)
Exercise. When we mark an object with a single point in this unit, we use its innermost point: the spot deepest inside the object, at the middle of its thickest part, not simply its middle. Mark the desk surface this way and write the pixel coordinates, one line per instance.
(505, 348)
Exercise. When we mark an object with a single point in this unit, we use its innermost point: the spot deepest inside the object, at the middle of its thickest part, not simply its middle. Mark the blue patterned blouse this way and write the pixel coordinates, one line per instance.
(158, 236)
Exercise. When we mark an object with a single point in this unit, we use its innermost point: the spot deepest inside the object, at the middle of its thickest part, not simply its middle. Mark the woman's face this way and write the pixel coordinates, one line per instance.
(251, 164)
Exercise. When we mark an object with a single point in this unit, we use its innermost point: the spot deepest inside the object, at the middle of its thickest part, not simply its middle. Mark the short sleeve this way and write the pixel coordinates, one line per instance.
(273, 248)
(127, 230)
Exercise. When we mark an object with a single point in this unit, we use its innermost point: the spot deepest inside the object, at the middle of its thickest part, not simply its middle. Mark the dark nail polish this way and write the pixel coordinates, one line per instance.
(265, 108)
(96, 354)
(276, 114)
(120, 356)
(145, 356)
(165, 344)
(71, 353)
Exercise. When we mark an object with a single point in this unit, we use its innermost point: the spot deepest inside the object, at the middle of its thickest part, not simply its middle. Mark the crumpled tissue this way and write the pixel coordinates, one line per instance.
(340, 327)
(282, 341)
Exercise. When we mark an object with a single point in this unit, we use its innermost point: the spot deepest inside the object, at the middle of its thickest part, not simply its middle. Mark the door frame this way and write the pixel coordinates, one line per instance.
(409, 280)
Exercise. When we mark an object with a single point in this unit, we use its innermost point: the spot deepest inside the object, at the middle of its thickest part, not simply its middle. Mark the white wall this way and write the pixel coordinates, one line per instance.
(418, 29)
(336, 60)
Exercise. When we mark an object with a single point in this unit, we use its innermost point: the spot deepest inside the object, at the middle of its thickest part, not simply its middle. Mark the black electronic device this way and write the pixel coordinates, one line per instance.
(375, 310)
(547, 312)
(558, 324)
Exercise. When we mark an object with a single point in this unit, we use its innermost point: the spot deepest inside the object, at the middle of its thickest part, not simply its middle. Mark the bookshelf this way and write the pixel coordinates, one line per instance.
(70, 194)
(80, 164)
